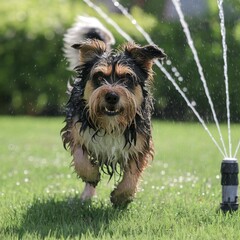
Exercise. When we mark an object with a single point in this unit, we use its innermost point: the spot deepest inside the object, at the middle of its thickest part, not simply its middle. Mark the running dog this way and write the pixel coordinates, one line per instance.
(108, 115)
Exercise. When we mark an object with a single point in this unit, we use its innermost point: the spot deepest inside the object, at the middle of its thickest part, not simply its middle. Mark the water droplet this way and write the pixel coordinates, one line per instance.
(168, 62)
(134, 21)
(177, 74)
(180, 79)
(116, 4)
(193, 103)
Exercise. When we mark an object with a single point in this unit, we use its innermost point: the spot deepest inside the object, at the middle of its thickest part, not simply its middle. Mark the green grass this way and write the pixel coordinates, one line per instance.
(178, 199)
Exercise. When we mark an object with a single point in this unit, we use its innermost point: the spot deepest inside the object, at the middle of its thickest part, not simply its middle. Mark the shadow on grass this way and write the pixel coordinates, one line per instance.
(66, 219)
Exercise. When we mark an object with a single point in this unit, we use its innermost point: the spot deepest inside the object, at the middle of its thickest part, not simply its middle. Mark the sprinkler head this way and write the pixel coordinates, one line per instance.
(229, 182)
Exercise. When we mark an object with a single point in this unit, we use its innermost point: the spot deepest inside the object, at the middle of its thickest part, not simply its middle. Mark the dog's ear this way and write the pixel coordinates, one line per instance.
(90, 50)
(144, 55)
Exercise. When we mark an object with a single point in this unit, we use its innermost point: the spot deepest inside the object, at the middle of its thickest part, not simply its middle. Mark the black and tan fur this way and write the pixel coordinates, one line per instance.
(108, 115)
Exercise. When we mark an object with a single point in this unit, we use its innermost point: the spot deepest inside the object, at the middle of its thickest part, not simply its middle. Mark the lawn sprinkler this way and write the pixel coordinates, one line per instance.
(229, 182)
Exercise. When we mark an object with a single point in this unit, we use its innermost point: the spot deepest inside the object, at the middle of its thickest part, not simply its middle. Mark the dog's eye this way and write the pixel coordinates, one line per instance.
(98, 79)
(128, 81)
(98, 76)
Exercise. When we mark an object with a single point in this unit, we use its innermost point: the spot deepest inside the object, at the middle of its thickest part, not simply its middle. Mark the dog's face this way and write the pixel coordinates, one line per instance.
(115, 82)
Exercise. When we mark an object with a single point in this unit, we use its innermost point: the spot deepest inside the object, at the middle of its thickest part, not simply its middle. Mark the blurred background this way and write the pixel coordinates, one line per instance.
(33, 70)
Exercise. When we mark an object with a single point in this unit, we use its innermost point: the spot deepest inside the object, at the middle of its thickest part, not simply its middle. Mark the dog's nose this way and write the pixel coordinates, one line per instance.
(112, 98)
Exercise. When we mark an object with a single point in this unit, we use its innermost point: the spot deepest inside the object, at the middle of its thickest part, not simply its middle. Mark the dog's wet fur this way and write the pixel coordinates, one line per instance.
(108, 115)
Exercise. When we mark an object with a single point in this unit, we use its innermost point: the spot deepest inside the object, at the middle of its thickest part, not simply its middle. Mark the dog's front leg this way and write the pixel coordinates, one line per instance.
(125, 191)
(88, 172)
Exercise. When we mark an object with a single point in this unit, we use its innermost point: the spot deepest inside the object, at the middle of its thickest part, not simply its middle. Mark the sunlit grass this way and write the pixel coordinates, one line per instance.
(178, 198)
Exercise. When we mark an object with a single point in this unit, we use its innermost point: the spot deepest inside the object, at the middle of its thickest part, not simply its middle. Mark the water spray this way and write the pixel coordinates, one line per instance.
(225, 67)
(229, 182)
(229, 167)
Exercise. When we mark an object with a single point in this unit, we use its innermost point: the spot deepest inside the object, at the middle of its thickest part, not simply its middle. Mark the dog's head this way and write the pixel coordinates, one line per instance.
(115, 83)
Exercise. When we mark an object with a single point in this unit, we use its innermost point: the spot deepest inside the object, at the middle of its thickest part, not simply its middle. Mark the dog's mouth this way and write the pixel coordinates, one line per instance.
(112, 111)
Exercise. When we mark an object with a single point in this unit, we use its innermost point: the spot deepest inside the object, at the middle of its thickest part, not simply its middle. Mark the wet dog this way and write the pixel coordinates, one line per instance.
(108, 115)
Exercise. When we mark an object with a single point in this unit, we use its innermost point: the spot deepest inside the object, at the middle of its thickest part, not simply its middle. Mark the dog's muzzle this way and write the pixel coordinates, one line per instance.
(112, 100)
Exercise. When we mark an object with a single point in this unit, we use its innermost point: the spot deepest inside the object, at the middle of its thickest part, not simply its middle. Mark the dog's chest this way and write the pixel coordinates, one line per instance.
(107, 148)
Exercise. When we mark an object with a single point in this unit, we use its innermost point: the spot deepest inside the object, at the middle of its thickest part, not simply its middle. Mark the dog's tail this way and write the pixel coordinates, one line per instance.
(84, 28)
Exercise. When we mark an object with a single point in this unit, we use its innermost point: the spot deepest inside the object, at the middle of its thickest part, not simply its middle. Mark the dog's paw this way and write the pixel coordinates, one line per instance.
(121, 200)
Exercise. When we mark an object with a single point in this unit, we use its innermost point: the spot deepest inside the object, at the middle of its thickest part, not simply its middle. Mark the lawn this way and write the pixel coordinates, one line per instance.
(178, 199)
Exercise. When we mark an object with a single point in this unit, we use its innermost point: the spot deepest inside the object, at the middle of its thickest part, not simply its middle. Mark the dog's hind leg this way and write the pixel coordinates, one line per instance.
(125, 191)
(88, 172)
